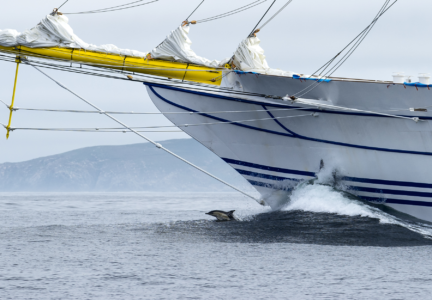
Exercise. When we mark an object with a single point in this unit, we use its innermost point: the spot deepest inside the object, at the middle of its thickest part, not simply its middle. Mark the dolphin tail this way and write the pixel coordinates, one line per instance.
(231, 214)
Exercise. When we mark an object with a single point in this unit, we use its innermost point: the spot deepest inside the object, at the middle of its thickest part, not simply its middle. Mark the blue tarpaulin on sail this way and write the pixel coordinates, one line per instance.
(418, 84)
(243, 72)
(309, 78)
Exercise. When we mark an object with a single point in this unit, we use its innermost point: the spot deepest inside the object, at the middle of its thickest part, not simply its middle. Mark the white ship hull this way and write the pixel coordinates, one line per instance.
(377, 158)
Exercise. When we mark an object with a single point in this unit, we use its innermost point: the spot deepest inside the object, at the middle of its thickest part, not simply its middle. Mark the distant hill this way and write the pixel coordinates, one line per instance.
(138, 167)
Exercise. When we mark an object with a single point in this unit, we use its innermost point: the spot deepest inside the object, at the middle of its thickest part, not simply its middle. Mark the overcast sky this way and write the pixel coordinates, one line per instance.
(301, 39)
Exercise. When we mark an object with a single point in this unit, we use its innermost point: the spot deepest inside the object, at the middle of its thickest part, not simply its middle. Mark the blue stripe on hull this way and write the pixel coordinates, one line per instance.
(269, 185)
(390, 192)
(267, 168)
(397, 201)
(265, 176)
(274, 104)
(378, 191)
(370, 199)
(289, 135)
(313, 175)
(389, 182)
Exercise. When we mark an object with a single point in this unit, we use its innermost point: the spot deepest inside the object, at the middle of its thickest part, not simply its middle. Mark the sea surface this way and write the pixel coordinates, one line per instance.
(323, 244)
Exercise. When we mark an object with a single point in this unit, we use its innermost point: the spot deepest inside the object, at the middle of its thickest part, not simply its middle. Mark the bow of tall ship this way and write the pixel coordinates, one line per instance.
(276, 128)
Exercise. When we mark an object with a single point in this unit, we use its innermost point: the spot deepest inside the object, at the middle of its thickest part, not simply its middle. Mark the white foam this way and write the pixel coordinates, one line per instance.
(320, 198)
(324, 199)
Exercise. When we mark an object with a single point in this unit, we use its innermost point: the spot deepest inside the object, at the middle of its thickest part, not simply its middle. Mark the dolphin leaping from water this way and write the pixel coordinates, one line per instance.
(222, 215)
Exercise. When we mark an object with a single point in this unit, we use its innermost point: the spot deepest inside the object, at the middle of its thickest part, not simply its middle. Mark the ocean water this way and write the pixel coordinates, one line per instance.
(323, 244)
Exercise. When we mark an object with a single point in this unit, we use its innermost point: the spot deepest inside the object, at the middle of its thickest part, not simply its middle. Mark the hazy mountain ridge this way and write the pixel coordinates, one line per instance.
(137, 167)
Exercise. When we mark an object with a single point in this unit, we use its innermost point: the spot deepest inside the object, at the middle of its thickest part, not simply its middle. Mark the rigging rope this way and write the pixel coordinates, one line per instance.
(166, 82)
(149, 113)
(104, 65)
(197, 124)
(127, 6)
(342, 108)
(357, 37)
(195, 86)
(113, 8)
(200, 87)
(253, 30)
(357, 41)
(195, 10)
(99, 69)
(132, 129)
(62, 4)
(94, 130)
(278, 12)
(233, 12)
(142, 136)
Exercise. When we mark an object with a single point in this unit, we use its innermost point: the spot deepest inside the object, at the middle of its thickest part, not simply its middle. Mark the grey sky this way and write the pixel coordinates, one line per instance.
(301, 39)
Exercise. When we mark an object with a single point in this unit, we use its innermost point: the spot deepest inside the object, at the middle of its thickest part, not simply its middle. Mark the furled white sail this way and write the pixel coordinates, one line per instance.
(54, 31)
(177, 47)
(249, 57)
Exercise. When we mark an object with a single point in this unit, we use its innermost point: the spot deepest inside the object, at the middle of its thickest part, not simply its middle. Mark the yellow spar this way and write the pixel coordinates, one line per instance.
(18, 61)
(177, 70)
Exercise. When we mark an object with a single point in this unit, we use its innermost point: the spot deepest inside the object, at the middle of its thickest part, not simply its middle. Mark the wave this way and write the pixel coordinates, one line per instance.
(317, 197)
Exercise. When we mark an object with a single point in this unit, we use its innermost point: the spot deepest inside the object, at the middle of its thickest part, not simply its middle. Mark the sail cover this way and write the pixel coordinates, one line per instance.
(177, 47)
(54, 31)
(249, 57)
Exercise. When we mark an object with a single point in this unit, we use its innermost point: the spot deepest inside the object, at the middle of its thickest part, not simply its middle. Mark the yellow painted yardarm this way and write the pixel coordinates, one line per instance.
(168, 69)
